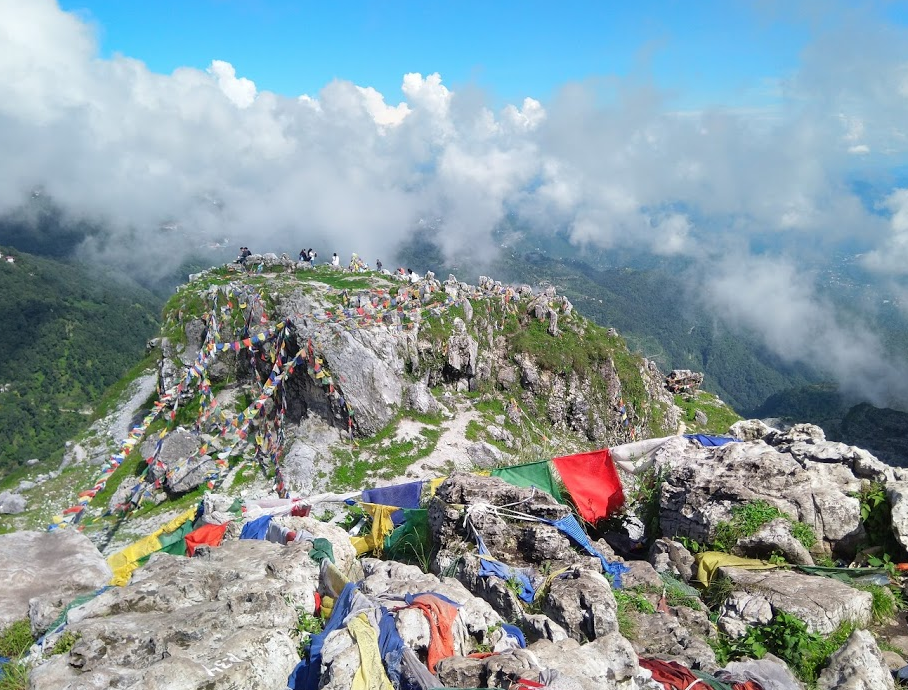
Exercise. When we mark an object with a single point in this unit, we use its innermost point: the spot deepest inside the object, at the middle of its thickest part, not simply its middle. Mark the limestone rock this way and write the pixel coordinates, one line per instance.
(419, 398)
(742, 610)
(641, 574)
(607, 663)
(897, 492)
(218, 620)
(671, 557)
(484, 455)
(774, 537)
(750, 430)
(857, 665)
(191, 475)
(461, 672)
(702, 485)
(63, 563)
(462, 355)
(583, 604)
(683, 381)
(822, 603)
(11, 503)
(680, 635)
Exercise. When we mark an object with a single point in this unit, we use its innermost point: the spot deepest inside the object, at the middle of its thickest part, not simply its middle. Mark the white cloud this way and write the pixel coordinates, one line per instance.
(240, 91)
(382, 113)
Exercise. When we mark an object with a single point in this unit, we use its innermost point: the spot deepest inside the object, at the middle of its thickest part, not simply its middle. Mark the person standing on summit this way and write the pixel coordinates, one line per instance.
(335, 260)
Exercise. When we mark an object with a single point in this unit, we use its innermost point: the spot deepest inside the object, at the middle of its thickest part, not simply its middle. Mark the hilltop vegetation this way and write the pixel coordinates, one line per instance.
(69, 332)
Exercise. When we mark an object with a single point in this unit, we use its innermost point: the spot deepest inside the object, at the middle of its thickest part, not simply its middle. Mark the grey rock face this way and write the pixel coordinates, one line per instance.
(215, 621)
(741, 610)
(702, 485)
(679, 635)
(607, 663)
(897, 492)
(484, 455)
(857, 665)
(462, 672)
(750, 430)
(822, 603)
(774, 536)
(671, 557)
(583, 604)
(462, 355)
(191, 475)
(11, 503)
(419, 397)
(61, 564)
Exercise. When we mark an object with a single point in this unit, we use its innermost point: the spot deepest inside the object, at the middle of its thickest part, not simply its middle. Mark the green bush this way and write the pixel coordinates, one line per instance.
(786, 637)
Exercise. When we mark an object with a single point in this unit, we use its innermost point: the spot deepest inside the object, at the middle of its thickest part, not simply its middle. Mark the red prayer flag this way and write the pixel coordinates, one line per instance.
(210, 535)
(593, 483)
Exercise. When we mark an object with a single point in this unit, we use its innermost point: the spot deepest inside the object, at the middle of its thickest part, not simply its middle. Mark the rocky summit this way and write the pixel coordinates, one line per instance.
(336, 479)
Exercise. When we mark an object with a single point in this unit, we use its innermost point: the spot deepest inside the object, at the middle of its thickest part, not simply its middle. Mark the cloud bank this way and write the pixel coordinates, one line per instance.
(345, 170)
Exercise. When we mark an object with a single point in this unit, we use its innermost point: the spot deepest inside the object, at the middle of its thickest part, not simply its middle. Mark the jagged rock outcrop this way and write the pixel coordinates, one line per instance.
(858, 665)
(12, 503)
(54, 567)
(702, 485)
(683, 381)
(822, 603)
(219, 620)
(774, 537)
(678, 634)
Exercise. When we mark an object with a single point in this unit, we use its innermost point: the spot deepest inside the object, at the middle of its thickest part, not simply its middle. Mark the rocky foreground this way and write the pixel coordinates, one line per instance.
(242, 614)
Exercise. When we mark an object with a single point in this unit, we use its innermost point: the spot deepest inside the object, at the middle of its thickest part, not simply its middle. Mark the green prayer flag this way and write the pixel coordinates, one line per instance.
(321, 549)
(174, 543)
(533, 474)
(413, 539)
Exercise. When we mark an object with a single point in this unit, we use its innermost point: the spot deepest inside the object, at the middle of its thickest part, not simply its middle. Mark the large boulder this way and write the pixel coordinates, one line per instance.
(582, 603)
(55, 566)
(774, 537)
(12, 503)
(494, 671)
(219, 620)
(857, 665)
(679, 634)
(703, 485)
(822, 603)
(607, 663)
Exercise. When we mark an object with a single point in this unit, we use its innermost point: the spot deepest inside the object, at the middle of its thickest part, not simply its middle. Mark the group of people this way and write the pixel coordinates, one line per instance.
(356, 264)
(244, 254)
(308, 256)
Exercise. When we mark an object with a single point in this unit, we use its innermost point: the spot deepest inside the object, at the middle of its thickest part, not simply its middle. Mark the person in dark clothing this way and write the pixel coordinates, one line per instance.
(378, 265)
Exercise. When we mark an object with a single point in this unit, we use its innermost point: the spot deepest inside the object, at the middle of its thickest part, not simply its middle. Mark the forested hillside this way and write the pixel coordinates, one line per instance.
(68, 333)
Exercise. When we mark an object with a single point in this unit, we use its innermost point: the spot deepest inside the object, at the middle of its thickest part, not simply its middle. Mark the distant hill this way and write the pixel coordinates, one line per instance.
(69, 332)
(655, 313)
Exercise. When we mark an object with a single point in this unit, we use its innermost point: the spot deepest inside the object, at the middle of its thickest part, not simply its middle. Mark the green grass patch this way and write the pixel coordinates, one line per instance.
(719, 417)
(884, 606)
(65, 643)
(112, 396)
(16, 638)
(15, 676)
(750, 517)
(474, 430)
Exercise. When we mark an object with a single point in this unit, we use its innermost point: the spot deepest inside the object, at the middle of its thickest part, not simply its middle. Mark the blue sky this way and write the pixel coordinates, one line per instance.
(704, 53)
